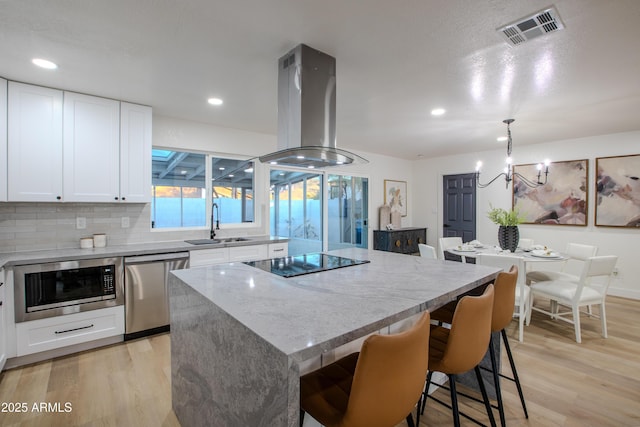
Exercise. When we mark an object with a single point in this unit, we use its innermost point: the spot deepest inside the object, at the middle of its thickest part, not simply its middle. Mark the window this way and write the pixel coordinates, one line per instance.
(178, 193)
(232, 189)
(296, 209)
(182, 197)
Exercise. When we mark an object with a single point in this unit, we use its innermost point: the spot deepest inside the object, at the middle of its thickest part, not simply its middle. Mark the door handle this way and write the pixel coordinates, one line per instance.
(446, 226)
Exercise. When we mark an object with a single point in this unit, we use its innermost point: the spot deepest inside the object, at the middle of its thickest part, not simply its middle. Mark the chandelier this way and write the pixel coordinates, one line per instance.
(508, 173)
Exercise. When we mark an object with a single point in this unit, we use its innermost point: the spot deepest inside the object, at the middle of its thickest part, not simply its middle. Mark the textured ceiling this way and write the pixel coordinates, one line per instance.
(396, 60)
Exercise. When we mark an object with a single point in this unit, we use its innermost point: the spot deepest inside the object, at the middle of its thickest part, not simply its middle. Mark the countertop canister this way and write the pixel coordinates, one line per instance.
(100, 240)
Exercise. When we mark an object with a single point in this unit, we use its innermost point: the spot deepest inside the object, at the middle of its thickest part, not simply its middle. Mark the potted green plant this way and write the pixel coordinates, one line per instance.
(508, 220)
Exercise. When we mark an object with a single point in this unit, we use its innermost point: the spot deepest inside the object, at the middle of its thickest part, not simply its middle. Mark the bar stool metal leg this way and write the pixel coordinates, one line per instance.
(514, 371)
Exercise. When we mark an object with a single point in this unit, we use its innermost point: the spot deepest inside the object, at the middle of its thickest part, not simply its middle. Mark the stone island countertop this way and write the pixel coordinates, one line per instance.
(239, 334)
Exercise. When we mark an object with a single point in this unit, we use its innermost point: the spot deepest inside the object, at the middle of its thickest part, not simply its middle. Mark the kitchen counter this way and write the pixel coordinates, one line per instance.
(239, 335)
(70, 254)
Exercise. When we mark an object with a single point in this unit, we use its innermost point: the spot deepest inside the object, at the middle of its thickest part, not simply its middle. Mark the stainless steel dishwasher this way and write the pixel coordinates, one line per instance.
(146, 292)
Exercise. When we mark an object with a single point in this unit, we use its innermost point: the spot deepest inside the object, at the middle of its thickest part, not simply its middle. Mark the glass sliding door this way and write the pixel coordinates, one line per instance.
(296, 209)
(348, 214)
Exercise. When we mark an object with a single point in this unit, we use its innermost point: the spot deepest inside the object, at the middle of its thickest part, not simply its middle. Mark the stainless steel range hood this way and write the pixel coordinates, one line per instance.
(307, 112)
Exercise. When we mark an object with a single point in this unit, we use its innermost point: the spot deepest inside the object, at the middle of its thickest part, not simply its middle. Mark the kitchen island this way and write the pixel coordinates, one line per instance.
(240, 335)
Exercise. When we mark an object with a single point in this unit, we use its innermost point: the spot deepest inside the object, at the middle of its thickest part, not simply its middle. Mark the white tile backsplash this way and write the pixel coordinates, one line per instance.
(36, 226)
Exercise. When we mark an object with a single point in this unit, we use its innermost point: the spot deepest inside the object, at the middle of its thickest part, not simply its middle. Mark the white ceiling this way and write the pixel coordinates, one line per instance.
(396, 60)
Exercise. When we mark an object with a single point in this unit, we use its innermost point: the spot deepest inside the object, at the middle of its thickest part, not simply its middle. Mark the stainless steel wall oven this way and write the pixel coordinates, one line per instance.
(54, 289)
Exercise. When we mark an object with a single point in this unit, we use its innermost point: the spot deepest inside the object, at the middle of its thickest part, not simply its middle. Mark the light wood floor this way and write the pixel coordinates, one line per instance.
(596, 383)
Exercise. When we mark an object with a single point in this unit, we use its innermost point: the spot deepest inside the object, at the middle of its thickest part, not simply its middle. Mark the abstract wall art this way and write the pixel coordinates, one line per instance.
(561, 201)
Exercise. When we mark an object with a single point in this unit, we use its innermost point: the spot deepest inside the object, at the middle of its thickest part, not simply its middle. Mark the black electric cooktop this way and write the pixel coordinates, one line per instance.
(297, 265)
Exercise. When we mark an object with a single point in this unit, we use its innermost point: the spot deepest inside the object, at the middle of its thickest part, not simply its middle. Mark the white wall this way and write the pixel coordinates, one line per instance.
(427, 197)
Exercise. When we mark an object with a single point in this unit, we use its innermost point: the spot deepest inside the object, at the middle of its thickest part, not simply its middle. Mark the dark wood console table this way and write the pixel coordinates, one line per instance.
(401, 240)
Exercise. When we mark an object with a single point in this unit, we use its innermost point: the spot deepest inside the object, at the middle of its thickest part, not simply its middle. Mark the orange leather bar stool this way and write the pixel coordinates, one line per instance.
(502, 313)
(461, 348)
(377, 387)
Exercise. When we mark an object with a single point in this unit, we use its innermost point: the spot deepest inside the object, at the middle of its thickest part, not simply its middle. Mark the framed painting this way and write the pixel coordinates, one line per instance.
(563, 200)
(395, 196)
(618, 191)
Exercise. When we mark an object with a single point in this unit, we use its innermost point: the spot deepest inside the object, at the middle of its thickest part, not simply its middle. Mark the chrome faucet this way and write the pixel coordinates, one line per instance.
(217, 222)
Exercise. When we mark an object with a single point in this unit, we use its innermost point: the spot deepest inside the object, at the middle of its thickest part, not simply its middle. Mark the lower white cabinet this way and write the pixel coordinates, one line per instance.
(248, 253)
(202, 257)
(3, 324)
(55, 332)
(278, 250)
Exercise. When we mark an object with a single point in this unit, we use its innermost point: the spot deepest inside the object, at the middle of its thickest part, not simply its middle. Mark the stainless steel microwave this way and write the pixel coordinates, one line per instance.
(54, 289)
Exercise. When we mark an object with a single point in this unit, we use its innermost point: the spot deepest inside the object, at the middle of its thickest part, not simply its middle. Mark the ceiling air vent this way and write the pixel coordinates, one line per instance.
(525, 29)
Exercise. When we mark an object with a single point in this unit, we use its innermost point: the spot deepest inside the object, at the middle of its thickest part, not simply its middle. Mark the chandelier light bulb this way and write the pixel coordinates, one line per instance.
(509, 160)
(478, 166)
(547, 162)
(539, 166)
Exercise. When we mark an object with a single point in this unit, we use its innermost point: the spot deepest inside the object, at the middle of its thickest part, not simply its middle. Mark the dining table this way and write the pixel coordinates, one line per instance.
(530, 256)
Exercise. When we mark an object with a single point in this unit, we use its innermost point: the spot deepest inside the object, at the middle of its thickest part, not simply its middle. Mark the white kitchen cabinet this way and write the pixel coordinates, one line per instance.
(200, 257)
(248, 253)
(61, 331)
(3, 140)
(103, 144)
(3, 323)
(278, 250)
(135, 153)
(91, 148)
(34, 149)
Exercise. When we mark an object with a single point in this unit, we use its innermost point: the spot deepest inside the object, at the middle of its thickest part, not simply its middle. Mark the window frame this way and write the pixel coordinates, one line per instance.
(209, 155)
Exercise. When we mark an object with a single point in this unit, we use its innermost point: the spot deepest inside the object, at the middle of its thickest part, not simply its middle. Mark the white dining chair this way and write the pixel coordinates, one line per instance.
(427, 251)
(578, 294)
(576, 255)
(522, 290)
(445, 243)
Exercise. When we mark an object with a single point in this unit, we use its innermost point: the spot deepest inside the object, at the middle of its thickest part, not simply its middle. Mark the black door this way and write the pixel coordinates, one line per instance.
(459, 214)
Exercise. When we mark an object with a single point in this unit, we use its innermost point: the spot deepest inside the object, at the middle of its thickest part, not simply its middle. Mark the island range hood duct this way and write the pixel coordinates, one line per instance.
(307, 112)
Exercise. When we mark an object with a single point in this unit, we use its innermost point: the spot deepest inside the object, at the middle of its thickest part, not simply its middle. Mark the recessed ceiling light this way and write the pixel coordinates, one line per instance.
(231, 175)
(249, 170)
(214, 101)
(501, 138)
(273, 163)
(438, 111)
(43, 63)
(220, 168)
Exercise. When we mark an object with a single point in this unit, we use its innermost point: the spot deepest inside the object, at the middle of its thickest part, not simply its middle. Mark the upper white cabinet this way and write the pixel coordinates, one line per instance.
(34, 143)
(135, 152)
(99, 150)
(91, 148)
(3, 140)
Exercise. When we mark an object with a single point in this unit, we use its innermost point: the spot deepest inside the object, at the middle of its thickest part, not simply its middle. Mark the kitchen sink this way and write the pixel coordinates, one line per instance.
(216, 241)
(235, 239)
(204, 241)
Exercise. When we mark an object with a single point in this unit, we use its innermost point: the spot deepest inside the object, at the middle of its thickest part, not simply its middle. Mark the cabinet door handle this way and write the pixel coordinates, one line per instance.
(74, 329)
(0, 303)
(123, 198)
(278, 250)
(115, 198)
(58, 197)
(398, 243)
